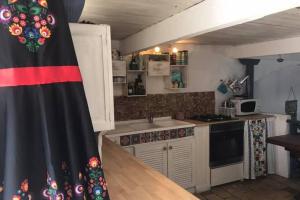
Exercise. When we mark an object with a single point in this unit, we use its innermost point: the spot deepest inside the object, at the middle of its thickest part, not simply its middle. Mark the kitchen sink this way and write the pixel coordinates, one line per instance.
(157, 124)
(167, 123)
(138, 126)
(144, 126)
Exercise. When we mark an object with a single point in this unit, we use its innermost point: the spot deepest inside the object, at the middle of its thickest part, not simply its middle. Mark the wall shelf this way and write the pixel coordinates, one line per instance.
(136, 95)
(175, 88)
(178, 65)
(119, 83)
(178, 73)
(136, 71)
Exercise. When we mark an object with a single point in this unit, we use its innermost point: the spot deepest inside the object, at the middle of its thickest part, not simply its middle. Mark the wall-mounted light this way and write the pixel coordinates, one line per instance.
(157, 49)
(174, 50)
(280, 59)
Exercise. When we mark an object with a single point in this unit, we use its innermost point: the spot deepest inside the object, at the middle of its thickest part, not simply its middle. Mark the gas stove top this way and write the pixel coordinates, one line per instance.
(211, 118)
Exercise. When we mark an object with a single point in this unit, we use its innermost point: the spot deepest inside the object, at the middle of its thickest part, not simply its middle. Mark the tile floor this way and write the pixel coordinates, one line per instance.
(272, 187)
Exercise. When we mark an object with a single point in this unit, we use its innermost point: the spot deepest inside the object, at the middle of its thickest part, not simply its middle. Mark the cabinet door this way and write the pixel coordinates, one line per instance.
(202, 158)
(93, 51)
(154, 155)
(181, 162)
(158, 68)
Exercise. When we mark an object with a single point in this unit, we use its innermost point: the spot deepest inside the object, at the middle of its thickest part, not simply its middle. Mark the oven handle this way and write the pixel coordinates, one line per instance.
(227, 131)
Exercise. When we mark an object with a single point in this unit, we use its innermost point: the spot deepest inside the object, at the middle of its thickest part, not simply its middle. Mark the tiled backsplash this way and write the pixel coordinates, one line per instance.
(155, 136)
(162, 105)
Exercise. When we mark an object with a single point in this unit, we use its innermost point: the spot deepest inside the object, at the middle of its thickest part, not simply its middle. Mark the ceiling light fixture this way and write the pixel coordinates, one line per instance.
(174, 50)
(157, 49)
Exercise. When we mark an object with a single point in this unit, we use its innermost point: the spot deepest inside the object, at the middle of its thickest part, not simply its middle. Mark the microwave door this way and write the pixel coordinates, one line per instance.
(248, 107)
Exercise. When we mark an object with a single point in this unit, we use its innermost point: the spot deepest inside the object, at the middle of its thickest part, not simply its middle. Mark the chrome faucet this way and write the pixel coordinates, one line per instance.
(150, 117)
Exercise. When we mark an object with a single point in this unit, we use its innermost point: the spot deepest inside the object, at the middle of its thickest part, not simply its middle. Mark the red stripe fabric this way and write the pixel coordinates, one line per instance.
(22, 76)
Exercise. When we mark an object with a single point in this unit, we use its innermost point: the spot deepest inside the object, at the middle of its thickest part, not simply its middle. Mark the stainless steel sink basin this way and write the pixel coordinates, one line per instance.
(144, 126)
(166, 123)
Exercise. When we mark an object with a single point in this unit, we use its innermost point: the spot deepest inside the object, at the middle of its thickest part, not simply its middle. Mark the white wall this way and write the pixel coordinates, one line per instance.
(115, 44)
(273, 81)
(274, 47)
(207, 66)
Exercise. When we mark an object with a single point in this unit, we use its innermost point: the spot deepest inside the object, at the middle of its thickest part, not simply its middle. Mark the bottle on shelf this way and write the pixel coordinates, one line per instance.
(130, 89)
(173, 59)
(185, 57)
(134, 65)
(179, 58)
(139, 86)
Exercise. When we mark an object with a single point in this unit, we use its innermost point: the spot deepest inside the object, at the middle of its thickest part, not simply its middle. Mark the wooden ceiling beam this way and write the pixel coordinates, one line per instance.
(210, 15)
(275, 47)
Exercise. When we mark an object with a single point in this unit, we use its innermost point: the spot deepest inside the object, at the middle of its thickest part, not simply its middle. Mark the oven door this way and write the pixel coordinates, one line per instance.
(226, 144)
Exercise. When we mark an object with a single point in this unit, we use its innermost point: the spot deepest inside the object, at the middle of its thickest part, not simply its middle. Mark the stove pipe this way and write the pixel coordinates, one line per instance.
(249, 63)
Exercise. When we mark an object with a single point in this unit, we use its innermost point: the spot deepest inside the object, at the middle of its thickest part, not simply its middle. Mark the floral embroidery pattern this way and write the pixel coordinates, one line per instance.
(97, 188)
(51, 193)
(23, 192)
(258, 139)
(94, 181)
(79, 188)
(29, 21)
(67, 186)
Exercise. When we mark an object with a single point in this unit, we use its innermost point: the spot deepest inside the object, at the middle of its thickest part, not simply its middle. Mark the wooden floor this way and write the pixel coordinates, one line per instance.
(268, 188)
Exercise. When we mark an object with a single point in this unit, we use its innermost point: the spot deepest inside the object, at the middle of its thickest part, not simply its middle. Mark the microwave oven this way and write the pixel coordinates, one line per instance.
(246, 106)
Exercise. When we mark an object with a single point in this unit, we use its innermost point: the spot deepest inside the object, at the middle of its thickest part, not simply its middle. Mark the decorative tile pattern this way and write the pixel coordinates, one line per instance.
(155, 136)
(162, 105)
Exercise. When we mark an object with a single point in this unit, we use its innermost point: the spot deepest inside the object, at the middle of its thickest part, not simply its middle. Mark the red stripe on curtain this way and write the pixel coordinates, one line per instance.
(39, 75)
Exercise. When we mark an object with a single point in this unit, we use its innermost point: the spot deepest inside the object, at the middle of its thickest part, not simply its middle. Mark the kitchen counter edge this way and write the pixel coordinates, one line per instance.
(129, 178)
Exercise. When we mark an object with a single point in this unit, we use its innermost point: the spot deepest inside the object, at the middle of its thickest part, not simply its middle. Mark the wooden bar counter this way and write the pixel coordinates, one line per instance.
(289, 142)
(130, 179)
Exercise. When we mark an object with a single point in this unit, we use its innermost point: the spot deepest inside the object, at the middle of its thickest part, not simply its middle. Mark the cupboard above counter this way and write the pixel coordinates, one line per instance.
(93, 50)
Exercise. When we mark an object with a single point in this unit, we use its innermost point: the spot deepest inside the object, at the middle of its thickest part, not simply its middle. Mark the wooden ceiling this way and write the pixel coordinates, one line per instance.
(127, 17)
(277, 26)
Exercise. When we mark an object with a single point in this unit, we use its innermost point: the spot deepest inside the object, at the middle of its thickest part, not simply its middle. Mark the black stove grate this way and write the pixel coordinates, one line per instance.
(211, 118)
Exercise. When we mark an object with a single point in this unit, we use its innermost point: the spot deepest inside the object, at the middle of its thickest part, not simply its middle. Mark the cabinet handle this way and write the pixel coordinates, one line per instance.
(165, 149)
(170, 147)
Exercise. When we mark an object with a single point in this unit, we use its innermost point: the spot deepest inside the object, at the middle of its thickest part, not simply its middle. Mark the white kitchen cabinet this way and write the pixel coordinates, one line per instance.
(159, 68)
(202, 159)
(182, 162)
(154, 155)
(175, 159)
(93, 50)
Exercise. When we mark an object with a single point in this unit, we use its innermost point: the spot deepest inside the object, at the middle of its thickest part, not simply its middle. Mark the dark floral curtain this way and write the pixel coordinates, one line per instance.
(74, 9)
(47, 145)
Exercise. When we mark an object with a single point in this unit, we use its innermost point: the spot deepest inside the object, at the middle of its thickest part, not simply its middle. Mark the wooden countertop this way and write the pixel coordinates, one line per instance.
(130, 179)
(290, 142)
(241, 118)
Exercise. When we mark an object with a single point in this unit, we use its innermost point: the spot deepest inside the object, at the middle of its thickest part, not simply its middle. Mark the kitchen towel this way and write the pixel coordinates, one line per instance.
(255, 148)
(47, 144)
